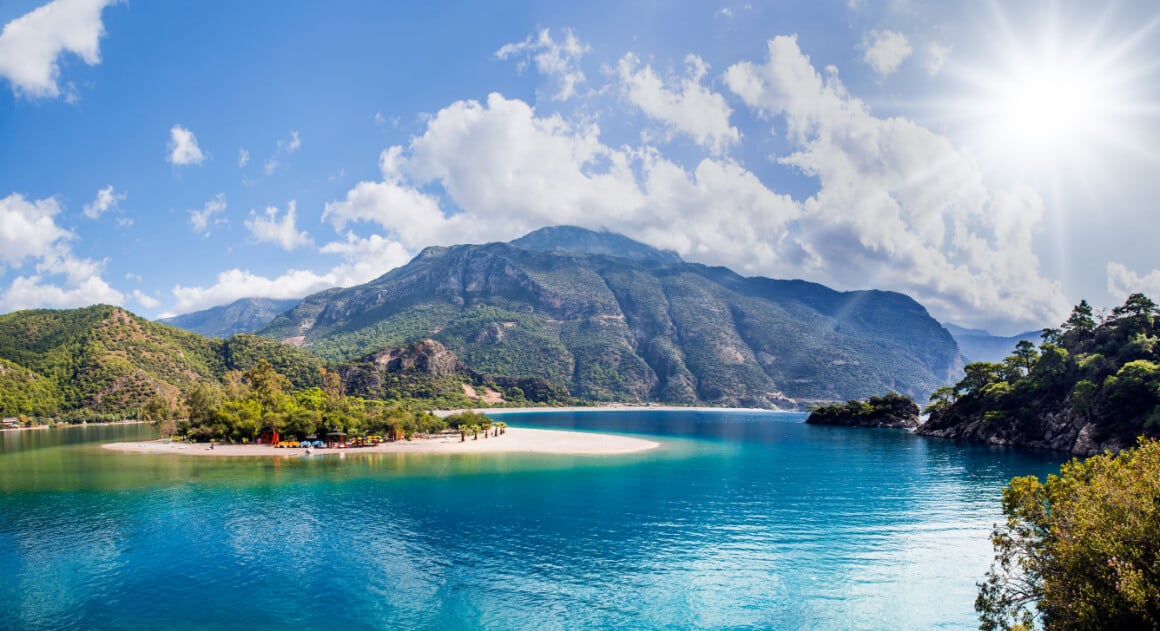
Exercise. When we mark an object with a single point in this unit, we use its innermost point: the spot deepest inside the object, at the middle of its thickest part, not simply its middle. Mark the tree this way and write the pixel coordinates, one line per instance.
(1025, 355)
(1081, 551)
(201, 400)
(979, 375)
(266, 385)
(1080, 320)
(1136, 306)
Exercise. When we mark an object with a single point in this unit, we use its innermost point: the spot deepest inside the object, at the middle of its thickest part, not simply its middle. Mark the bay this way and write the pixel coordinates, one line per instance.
(740, 519)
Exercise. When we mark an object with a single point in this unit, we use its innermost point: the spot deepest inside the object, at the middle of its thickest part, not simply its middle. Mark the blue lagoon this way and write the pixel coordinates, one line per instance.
(740, 519)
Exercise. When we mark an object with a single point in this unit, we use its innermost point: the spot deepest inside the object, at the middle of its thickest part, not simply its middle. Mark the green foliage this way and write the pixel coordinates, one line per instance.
(1081, 550)
(889, 410)
(1109, 374)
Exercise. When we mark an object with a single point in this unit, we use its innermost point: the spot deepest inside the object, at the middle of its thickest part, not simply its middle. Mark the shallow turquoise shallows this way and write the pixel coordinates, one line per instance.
(751, 520)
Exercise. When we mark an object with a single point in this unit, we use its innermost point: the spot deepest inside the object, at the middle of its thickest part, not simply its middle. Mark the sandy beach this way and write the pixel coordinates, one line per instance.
(515, 440)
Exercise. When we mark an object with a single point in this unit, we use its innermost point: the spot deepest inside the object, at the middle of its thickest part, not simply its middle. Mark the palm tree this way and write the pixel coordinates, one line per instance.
(485, 424)
(500, 428)
(474, 431)
(463, 433)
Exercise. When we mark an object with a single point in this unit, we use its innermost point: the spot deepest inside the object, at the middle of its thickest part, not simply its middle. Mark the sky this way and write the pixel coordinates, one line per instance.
(995, 161)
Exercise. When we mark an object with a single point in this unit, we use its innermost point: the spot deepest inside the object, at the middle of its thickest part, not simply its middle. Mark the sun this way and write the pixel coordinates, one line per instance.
(1056, 101)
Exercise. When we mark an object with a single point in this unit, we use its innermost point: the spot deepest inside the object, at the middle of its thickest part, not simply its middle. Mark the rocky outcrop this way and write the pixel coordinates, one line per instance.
(1059, 429)
(892, 411)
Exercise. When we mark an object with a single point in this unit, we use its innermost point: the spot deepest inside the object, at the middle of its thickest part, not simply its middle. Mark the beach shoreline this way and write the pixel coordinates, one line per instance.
(514, 440)
(610, 407)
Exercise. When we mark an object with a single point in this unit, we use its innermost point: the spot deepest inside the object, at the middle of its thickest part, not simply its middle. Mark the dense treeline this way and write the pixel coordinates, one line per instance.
(260, 400)
(890, 410)
(1095, 373)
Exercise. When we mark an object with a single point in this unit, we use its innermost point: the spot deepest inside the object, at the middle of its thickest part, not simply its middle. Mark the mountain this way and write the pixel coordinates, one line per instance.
(583, 241)
(560, 304)
(977, 345)
(106, 360)
(242, 316)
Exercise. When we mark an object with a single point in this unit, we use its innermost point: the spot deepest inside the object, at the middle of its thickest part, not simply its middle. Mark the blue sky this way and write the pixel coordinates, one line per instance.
(995, 161)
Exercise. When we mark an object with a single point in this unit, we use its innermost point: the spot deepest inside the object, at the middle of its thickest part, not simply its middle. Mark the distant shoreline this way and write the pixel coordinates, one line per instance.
(515, 440)
(18, 429)
(610, 407)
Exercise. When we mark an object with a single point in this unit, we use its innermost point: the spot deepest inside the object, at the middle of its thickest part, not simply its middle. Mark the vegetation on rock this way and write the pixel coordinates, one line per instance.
(892, 410)
(1093, 384)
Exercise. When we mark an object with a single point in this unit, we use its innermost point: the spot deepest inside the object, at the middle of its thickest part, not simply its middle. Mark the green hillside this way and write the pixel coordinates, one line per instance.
(108, 361)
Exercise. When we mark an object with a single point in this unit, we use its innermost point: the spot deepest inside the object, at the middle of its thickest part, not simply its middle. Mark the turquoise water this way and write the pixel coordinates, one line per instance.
(748, 520)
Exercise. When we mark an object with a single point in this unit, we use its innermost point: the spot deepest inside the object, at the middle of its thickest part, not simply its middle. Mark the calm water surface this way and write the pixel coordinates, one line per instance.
(750, 520)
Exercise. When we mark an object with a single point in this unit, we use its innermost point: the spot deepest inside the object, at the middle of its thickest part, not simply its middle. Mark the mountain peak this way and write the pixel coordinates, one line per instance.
(585, 241)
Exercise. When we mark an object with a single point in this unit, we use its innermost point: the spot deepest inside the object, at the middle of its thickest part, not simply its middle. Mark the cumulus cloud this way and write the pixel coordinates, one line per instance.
(243, 157)
(885, 51)
(507, 171)
(183, 147)
(29, 233)
(28, 229)
(898, 206)
(106, 198)
(267, 228)
(31, 45)
(30, 292)
(936, 57)
(145, 300)
(364, 259)
(1123, 282)
(202, 220)
(687, 107)
(556, 59)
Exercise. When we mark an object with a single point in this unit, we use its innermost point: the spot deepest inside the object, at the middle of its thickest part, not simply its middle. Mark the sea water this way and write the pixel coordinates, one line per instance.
(740, 519)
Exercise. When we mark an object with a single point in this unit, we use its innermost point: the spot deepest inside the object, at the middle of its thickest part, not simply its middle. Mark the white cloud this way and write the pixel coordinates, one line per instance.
(1123, 282)
(885, 51)
(507, 171)
(898, 206)
(203, 219)
(556, 59)
(936, 57)
(363, 260)
(282, 147)
(183, 147)
(243, 157)
(28, 229)
(106, 199)
(29, 292)
(689, 107)
(31, 45)
(145, 300)
(235, 284)
(267, 228)
(293, 144)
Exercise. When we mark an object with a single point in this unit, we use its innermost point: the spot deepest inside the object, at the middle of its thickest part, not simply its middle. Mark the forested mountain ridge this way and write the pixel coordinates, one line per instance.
(103, 360)
(1089, 386)
(646, 328)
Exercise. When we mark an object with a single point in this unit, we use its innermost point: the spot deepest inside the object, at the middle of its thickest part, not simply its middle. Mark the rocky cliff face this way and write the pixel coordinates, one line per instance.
(1058, 429)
